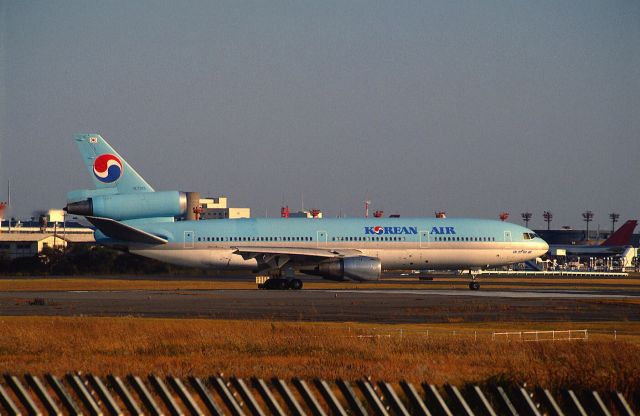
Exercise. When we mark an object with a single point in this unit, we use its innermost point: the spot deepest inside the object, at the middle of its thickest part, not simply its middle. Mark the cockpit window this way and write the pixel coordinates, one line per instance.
(529, 236)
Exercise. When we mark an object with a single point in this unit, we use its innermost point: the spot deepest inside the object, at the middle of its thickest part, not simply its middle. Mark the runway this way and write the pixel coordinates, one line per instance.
(360, 305)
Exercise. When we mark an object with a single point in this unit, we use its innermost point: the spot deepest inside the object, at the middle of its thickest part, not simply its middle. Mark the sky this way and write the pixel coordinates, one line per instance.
(419, 106)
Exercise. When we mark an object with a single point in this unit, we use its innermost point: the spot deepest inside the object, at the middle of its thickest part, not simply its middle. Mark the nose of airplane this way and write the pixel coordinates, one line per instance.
(544, 247)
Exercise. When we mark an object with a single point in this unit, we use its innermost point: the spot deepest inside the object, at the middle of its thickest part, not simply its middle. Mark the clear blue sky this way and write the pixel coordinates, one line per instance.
(469, 107)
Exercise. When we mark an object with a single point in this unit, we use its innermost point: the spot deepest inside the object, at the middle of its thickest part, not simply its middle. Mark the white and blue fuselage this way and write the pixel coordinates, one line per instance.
(399, 243)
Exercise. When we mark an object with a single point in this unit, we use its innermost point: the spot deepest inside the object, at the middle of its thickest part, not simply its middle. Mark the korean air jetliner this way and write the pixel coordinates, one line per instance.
(128, 214)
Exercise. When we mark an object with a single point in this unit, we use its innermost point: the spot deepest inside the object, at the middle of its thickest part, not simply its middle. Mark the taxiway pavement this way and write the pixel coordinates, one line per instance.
(359, 305)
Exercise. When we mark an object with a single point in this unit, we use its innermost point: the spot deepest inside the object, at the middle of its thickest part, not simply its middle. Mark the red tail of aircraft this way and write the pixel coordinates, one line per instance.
(622, 236)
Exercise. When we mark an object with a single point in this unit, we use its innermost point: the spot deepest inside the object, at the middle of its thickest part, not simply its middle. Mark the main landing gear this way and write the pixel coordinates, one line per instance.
(473, 284)
(281, 284)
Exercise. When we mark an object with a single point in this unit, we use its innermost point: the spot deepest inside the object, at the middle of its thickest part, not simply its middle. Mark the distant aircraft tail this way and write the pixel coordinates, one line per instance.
(622, 236)
(108, 169)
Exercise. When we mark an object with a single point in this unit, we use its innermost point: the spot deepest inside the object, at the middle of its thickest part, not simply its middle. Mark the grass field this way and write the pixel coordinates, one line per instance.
(446, 353)
(92, 283)
(438, 353)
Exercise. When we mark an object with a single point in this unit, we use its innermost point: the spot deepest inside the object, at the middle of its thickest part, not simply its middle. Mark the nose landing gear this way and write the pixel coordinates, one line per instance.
(473, 284)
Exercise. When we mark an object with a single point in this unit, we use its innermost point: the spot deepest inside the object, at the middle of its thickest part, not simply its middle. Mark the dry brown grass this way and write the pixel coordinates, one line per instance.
(265, 349)
(89, 283)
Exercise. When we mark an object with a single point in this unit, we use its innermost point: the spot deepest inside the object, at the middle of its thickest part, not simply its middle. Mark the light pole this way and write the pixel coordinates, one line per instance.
(587, 217)
(526, 217)
(548, 216)
(614, 218)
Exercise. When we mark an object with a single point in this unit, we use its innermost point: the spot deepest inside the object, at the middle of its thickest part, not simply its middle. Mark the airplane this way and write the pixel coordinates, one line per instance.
(130, 215)
(616, 244)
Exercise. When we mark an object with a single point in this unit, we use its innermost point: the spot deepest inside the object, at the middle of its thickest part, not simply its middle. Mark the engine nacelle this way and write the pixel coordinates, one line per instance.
(132, 206)
(360, 268)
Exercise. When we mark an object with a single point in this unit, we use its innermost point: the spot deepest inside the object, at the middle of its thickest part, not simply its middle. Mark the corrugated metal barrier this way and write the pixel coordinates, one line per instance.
(80, 394)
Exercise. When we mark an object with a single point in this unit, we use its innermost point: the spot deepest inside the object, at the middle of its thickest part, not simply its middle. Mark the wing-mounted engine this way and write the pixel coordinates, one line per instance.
(136, 205)
(359, 268)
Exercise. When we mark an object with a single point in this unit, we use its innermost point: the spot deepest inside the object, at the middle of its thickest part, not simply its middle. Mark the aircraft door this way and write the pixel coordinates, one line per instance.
(321, 239)
(188, 239)
(507, 236)
(424, 238)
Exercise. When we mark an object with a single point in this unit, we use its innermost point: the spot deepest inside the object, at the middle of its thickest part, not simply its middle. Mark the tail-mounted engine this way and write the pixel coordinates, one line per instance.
(138, 205)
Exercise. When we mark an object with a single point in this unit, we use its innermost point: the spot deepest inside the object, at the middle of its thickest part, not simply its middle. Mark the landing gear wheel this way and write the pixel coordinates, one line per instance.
(474, 285)
(295, 284)
(275, 284)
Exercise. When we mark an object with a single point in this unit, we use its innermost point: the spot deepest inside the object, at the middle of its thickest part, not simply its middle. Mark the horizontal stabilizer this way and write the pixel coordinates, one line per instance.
(119, 231)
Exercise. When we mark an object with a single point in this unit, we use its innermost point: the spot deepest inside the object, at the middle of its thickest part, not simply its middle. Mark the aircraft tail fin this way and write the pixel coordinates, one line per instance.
(622, 236)
(107, 168)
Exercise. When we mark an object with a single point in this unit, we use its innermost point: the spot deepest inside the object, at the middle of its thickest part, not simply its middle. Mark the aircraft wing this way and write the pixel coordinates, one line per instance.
(252, 251)
(277, 257)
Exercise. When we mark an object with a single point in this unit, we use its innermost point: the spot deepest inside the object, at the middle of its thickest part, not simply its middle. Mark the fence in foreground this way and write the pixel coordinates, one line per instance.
(76, 394)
